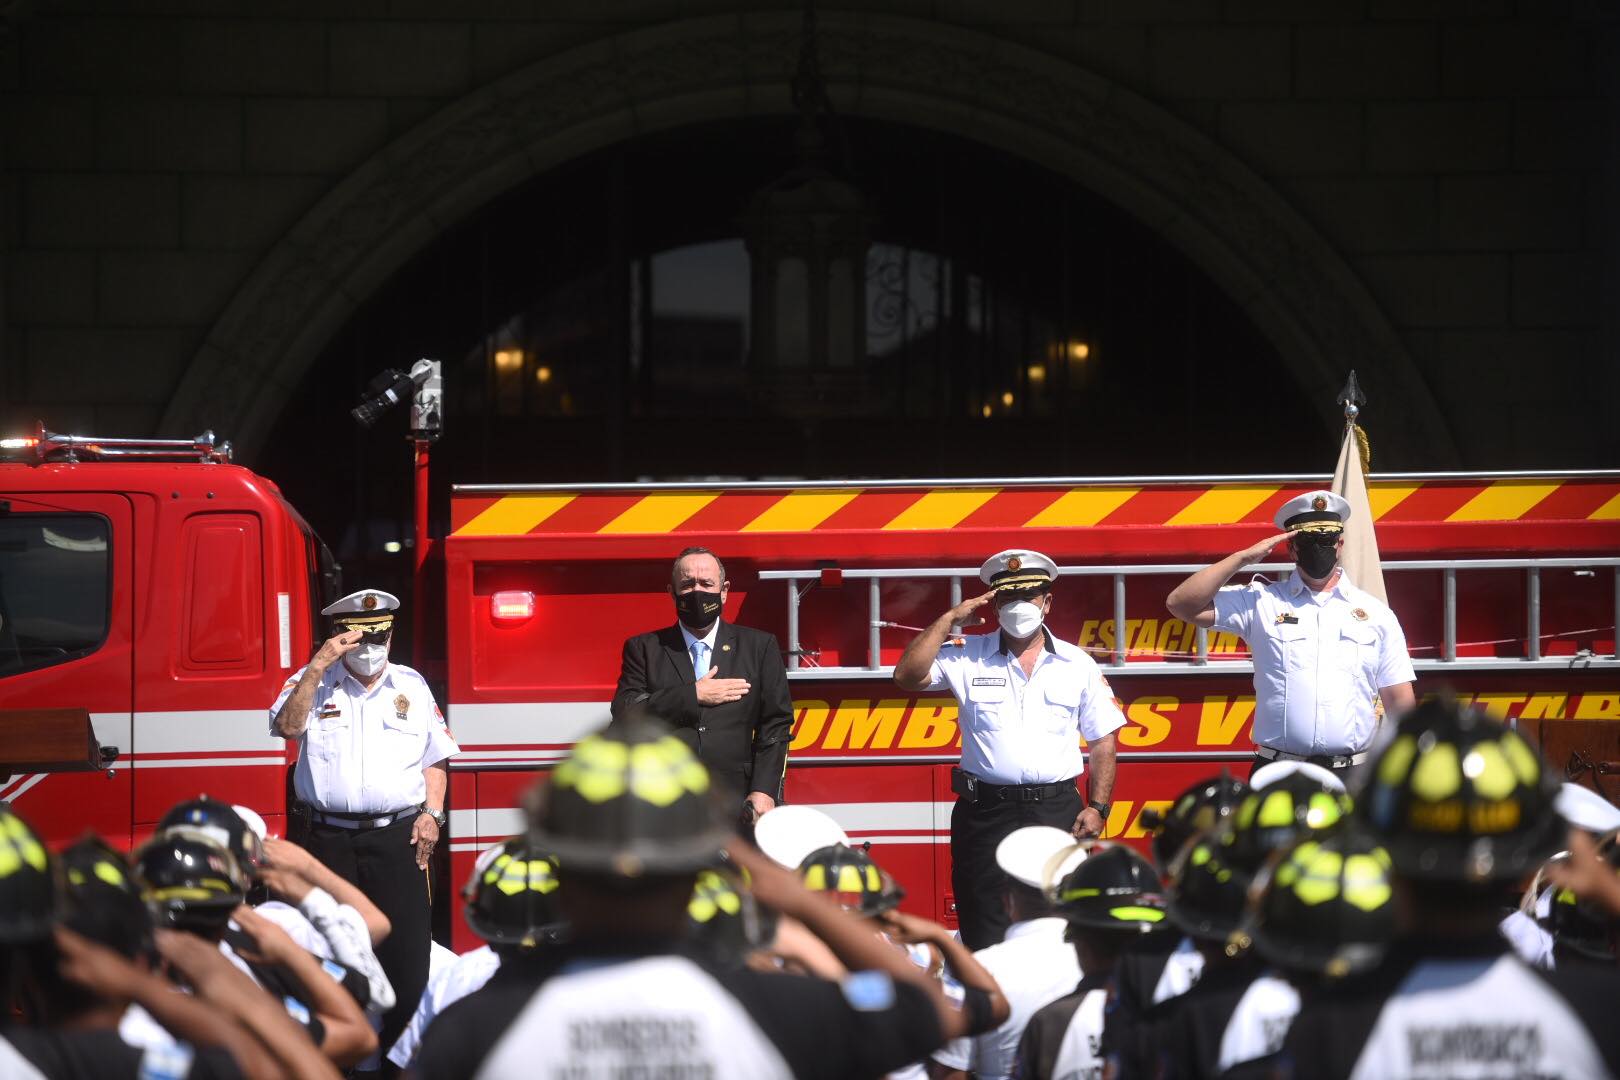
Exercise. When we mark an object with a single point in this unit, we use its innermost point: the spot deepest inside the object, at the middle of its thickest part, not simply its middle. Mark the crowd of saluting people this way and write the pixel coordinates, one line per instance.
(1456, 916)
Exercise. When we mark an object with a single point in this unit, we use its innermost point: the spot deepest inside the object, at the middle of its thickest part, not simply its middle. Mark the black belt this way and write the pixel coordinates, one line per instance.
(362, 822)
(1327, 761)
(974, 790)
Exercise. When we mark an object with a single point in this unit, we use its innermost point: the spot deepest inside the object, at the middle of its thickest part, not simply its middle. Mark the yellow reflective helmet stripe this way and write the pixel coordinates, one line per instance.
(541, 878)
(1526, 766)
(1319, 881)
(1366, 884)
(1487, 766)
(815, 878)
(849, 880)
(1437, 774)
(1397, 759)
(1322, 810)
(1137, 914)
(109, 873)
(1276, 809)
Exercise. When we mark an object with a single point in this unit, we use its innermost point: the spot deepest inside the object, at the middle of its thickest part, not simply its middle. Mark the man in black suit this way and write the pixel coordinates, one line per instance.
(723, 687)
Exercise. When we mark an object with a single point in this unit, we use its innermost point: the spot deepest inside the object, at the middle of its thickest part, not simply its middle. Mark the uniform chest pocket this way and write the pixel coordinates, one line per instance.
(406, 719)
(1062, 701)
(1294, 643)
(989, 700)
(327, 733)
(1358, 647)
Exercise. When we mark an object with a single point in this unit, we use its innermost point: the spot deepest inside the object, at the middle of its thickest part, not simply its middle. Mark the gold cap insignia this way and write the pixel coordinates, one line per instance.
(1319, 503)
(1015, 564)
(369, 601)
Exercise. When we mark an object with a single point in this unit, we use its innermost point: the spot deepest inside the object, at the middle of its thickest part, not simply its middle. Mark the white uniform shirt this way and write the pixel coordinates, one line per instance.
(445, 987)
(1018, 730)
(1319, 661)
(364, 751)
(1034, 967)
(1259, 1023)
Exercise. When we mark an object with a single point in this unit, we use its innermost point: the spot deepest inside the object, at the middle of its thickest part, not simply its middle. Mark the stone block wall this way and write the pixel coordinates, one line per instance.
(1462, 156)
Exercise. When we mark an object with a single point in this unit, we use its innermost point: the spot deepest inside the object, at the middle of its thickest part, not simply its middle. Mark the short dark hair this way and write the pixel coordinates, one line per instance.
(675, 566)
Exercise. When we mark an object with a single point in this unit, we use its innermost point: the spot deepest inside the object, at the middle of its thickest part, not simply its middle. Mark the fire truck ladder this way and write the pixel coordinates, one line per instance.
(799, 582)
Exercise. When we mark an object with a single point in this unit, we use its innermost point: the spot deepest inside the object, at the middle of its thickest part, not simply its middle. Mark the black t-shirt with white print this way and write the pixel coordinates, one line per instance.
(650, 1012)
(1063, 1040)
(1447, 1010)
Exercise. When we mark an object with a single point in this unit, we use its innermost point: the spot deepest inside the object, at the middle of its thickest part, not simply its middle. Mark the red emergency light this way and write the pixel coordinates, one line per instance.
(511, 605)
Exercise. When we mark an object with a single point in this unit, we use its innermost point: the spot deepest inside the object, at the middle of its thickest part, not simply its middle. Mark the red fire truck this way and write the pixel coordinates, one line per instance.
(169, 600)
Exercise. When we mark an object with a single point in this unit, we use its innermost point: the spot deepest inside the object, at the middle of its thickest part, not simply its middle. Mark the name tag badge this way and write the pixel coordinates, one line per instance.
(1286, 619)
(990, 681)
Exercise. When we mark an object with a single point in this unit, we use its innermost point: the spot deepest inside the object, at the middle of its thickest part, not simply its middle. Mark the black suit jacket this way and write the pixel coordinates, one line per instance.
(744, 743)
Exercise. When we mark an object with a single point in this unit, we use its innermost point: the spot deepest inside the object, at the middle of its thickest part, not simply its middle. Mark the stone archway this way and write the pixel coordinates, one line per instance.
(1228, 221)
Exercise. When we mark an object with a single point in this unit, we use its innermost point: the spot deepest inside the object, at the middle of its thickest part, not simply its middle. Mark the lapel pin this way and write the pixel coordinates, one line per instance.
(725, 648)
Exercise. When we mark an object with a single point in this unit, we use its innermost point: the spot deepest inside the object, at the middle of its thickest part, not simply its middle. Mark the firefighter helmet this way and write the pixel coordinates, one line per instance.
(188, 879)
(722, 918)
(1583, 926)
(100, 898)
(1113, 889)
(27, 882)
(1276, 815)
(1200, 809)
(224, 824)
(511, 896)
(1325, 905)
(850, 876)
(1207, 892)
(629, 801)
(1457, 796)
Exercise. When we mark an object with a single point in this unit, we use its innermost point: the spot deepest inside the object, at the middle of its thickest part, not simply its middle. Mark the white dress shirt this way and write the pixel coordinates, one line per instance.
(364, 751)
(1034, 966)
(446, 986)
(1320, 659)
(1018, 730)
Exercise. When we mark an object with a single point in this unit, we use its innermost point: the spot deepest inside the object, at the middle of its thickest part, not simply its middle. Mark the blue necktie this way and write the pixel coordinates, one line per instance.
(700, 658)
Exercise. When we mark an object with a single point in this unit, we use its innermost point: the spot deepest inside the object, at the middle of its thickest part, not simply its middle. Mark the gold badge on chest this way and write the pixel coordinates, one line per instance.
(1359, 614)
(402, 705)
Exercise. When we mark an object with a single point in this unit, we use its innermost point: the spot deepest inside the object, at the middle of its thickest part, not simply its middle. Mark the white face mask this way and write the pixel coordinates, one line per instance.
(367, 660)
(1020, 619)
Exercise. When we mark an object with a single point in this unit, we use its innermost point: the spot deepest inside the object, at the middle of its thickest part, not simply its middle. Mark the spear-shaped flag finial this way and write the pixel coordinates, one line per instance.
(1352, 398)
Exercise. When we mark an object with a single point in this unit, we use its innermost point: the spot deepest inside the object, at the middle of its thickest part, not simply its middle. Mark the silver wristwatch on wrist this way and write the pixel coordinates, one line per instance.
(440, 818)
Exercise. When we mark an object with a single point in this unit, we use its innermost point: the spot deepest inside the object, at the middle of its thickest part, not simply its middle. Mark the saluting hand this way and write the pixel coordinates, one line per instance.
(959, 614)
(333, 649)
(1258, 552)
(713, 691)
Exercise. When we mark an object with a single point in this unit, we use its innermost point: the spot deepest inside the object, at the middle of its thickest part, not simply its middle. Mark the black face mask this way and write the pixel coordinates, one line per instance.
(697, 609)
(1316, 554)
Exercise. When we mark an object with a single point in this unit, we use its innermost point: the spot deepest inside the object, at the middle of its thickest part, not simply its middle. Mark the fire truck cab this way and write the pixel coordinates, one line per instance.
(168, 594)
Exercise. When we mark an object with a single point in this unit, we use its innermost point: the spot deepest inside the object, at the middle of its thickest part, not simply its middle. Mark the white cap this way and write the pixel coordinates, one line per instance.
(1586, 809)
(1267, 775)
(1027, 854)
(254, 822)
(1313, 508)
(1018, 568)
(788, 833)
(364, 602)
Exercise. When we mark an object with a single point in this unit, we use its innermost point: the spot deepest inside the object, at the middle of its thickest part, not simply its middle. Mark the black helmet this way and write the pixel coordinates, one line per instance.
(189, 880)
(1113, 889)
(224, 824)
(1207, 892)
(511, 896)
(1278, 814)
(1580, 925)
(1200, 809)
(722, 918)
(1458, 796)
(101, 899)
(27, 882)
(1325, 905)
(631, 800)
(851, 877)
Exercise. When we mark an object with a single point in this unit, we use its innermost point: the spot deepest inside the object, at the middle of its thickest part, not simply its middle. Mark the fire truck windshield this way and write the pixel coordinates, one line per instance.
(54, 588)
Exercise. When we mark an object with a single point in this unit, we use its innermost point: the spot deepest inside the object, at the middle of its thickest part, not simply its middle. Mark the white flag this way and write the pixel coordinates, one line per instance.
(1360, 555)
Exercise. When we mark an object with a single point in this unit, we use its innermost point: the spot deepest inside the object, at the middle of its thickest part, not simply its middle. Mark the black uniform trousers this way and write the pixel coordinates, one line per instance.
(979, 884)
(382, 863)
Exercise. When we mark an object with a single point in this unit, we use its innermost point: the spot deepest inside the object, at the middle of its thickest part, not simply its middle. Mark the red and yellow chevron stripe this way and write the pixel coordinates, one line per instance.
(902, 509)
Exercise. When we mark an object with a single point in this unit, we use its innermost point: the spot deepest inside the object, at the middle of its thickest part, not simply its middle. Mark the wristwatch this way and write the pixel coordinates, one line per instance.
(440, 818)
(1101, 808)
